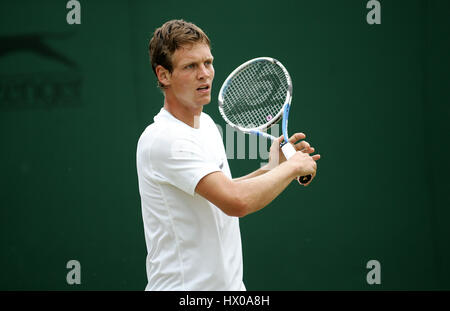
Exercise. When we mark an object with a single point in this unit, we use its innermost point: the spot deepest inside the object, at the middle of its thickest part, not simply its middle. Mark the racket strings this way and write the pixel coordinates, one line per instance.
(255, 95)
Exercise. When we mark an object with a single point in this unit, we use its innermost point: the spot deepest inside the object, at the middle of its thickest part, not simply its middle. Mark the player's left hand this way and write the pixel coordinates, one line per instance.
(276, 156)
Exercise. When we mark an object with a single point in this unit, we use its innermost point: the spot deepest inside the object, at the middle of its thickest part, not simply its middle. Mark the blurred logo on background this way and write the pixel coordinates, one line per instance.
(53, 83)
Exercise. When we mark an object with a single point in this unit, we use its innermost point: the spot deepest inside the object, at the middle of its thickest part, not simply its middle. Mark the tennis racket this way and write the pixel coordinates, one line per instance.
(255, 96)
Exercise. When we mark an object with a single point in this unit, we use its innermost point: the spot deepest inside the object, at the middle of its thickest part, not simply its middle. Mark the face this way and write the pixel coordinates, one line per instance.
(192, 76)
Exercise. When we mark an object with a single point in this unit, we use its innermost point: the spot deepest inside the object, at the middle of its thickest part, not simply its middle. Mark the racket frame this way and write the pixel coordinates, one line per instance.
(283, 113)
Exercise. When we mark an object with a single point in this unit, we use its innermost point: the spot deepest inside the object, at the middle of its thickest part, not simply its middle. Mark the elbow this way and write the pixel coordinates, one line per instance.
(239, 206)
(229, 196)
(240, 209)
(237, 210)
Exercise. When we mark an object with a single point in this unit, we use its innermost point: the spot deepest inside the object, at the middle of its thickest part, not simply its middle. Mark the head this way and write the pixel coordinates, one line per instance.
(181, 59)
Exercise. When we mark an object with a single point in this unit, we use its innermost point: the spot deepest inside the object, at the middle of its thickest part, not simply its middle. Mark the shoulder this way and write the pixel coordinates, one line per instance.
(163, 129)
(148, 134)
(206, 119)
(160, 143)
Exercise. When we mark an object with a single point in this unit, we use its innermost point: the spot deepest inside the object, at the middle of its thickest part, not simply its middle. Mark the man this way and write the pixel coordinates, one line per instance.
(190, 203)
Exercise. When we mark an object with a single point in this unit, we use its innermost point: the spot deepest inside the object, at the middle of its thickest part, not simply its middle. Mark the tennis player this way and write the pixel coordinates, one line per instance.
(190, 203)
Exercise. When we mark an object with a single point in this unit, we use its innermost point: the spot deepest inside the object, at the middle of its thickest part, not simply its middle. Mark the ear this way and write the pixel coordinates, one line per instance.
(163, 75)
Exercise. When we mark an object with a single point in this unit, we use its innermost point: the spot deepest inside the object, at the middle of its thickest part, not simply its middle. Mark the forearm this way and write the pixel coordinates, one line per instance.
(258, 191)
(242, 196)
(253, 174)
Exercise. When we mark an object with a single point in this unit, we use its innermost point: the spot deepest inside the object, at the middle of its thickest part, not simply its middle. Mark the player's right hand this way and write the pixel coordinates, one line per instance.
(304, 164)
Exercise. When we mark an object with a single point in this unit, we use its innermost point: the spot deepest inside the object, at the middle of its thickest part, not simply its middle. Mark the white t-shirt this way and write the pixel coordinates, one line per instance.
(191, 243)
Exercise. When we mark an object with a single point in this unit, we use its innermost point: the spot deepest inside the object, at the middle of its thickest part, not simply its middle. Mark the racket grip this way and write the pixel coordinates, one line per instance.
(289, 151)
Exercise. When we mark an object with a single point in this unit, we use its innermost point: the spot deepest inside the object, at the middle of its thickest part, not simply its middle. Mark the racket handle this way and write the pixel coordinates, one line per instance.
(289, 151)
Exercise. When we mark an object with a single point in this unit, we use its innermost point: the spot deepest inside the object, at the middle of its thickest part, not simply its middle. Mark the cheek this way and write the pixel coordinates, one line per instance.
(180, 81)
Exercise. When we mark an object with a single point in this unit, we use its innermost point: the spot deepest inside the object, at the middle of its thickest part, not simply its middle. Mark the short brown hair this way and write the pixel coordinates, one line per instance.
(168, 38)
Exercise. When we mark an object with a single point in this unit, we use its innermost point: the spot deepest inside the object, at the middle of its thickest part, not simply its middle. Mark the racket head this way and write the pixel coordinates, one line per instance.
(254, 96)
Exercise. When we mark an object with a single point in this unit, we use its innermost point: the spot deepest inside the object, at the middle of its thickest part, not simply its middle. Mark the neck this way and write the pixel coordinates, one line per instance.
(190, 116)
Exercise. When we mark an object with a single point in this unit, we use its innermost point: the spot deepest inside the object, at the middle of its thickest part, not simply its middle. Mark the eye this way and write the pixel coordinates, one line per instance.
(190, 66)
(208, 63)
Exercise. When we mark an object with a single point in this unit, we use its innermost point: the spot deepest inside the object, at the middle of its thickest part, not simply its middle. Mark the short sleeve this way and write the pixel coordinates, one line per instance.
(183, 162)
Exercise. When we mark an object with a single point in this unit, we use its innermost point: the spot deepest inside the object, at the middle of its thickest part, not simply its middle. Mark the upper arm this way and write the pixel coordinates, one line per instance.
(179, 161)
(220, 190)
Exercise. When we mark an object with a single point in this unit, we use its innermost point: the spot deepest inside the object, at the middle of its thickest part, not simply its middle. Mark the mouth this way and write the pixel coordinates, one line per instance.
(204, 88)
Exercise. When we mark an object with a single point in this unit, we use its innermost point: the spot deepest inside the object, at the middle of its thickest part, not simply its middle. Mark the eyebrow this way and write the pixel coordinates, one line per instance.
(183, 64)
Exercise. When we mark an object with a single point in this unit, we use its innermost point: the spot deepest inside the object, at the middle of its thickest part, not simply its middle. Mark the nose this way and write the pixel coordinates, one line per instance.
(203, 72)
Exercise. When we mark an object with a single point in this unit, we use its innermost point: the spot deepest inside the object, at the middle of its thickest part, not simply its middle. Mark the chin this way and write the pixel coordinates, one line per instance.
(205, 101)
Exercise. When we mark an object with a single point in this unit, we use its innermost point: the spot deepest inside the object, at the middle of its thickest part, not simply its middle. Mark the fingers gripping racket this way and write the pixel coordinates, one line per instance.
(255, 96)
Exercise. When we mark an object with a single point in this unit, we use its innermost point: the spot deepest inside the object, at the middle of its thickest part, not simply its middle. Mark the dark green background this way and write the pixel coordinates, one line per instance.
(373, 100)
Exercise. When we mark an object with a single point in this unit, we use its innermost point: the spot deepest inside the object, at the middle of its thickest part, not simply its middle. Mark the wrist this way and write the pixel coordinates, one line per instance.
(290, 168)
